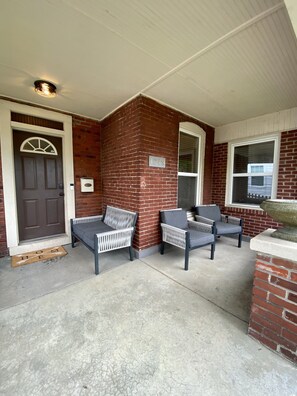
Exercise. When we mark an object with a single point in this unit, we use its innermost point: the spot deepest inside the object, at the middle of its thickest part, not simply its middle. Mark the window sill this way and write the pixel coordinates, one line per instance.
(243, 206)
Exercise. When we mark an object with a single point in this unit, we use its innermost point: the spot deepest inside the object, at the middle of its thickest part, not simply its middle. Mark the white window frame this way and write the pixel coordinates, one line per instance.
(194, 130)
(230, 167)
(38, 149)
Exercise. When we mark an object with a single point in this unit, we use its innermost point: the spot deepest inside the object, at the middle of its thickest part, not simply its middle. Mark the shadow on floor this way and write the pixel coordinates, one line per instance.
(18, 285)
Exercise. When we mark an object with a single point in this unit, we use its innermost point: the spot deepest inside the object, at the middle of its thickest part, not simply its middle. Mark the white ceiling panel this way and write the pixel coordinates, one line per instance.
(219, 61)
(182, 94)
(247, 73)
(85, 60)
(171, 30)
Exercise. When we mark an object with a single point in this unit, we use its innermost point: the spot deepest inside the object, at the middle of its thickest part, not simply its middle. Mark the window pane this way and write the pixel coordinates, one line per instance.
(188, 153)
(253, 157)
(246, 192)
(257, 168)
(257, 180)
(186, 192)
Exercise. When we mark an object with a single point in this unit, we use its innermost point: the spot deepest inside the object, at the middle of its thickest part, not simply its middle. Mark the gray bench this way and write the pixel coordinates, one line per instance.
(113, 230)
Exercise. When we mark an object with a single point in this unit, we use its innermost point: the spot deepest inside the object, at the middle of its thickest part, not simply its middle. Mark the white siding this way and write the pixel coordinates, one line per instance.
(284, 120)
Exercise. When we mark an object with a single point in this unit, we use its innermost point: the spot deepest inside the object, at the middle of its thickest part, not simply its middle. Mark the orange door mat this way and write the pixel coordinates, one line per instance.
(38, 255)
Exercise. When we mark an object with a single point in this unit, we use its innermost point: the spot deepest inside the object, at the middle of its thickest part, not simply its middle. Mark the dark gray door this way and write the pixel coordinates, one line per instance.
(39, 185)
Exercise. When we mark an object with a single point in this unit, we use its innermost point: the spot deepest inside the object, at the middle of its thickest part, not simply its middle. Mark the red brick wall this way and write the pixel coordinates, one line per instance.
(273, 319)
(287, 176)
(87, 163)
(137, 130)
(256, 221)
(120, 148)
(159, 137)
(117, 159)
(219, 174)
(3, 243)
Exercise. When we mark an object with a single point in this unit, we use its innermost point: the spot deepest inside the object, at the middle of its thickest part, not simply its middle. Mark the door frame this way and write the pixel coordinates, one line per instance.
(8, 172)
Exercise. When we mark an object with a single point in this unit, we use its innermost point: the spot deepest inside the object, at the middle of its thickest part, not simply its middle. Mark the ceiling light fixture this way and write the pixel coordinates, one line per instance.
(45, 88)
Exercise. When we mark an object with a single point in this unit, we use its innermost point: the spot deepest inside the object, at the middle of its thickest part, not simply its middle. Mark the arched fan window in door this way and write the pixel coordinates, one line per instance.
(38, 145)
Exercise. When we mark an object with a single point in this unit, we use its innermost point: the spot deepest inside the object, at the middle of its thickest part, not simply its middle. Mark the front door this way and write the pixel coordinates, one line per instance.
(39, 185)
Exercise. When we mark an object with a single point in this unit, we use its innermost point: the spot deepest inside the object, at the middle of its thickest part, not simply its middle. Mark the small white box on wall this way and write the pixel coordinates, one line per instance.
(86, 184)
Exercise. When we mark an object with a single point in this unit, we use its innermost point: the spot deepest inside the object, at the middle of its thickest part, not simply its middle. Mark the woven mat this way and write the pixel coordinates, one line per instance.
(39, 255)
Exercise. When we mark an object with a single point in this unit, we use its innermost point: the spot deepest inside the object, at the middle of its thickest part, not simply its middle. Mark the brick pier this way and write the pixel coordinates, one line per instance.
(273, 319)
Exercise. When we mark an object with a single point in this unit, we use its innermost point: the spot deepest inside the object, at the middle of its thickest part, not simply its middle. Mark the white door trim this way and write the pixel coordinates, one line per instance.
(9, 190)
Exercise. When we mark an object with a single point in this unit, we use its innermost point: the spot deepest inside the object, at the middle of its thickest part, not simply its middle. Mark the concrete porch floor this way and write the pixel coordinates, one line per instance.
(139, 328)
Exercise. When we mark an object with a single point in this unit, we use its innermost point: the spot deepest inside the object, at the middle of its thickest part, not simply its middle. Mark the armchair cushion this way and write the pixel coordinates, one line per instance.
(209, 211)
(227, 228)
(175, 218)
(198, 238)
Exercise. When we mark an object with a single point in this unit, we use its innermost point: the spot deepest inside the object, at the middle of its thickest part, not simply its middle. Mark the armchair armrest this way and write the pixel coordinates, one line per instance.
(224, 218)
(203, 227)
(204, 220)
(233, 220)
(115, 239)
(173, 235)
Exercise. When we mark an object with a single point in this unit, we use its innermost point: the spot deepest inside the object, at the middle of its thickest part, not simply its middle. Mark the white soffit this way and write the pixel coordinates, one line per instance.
(244, 76)
(292, 11)
(219, 61)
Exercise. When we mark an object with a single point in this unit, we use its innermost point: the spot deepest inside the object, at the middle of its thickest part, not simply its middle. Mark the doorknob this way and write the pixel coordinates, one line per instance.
(61, 194)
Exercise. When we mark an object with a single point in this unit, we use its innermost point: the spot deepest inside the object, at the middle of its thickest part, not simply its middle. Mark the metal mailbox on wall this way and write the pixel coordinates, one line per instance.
(86, 184)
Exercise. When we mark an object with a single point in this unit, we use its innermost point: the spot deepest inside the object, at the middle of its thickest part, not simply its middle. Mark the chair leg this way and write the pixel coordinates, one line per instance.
(239, 240)
(96, 253)
(73, 240)
(187, 251)
(162, 247)
(131, 253)
(212, 250)
(96, 263)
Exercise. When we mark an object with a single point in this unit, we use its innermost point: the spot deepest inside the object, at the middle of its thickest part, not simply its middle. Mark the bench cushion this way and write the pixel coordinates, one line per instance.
(86, 231)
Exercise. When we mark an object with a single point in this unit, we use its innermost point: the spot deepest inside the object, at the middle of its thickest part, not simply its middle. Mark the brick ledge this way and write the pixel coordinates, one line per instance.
(265, 243)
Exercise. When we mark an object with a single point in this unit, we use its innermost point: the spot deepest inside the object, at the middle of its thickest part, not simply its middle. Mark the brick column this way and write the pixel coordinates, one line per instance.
(273, 319)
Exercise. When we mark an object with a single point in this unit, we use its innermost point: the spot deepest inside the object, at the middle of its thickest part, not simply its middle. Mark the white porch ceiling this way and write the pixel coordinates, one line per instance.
(220, 61)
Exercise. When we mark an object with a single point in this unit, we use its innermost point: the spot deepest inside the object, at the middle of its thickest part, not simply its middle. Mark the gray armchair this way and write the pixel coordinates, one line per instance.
(185, 234)
(224, 224)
